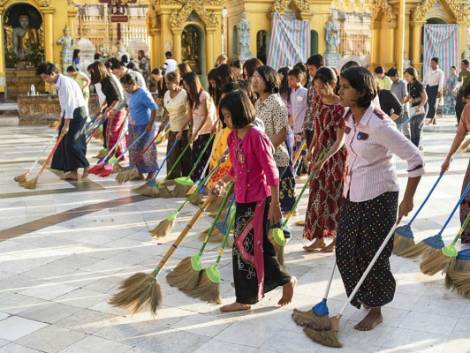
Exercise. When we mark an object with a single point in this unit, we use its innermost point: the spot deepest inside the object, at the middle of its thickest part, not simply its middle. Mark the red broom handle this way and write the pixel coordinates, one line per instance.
(49, 157)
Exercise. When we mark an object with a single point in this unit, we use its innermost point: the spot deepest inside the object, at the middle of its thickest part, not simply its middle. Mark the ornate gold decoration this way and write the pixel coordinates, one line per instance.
(420, 11)
(179, 16)
(281, 5)
(382, 7)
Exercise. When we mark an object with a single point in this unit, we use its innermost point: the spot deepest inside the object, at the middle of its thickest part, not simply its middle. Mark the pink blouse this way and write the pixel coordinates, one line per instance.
(253, 167)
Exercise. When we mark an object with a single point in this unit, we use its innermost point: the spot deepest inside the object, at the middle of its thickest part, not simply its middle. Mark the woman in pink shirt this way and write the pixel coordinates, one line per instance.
(370, 205)
(254, 172)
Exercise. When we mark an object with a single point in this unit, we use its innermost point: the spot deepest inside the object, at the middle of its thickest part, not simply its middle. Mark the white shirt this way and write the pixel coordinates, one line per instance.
(99, 92)
(371, 145)
(70, 96)
(298, 103)
(435, 78)
(170, 65)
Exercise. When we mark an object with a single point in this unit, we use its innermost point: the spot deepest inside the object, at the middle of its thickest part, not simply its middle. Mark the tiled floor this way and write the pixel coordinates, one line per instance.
(65, 247)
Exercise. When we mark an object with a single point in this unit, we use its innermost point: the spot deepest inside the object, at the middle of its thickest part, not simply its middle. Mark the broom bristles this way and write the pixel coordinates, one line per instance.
(180, 190)
(414, 251)
(117, 168)
(127, 174)
(402, 245)
(195, 198)
(183, 276)
(21, 178)
(163, 228)
(433, 261)
(325, 338)
(30, 184)
(465, 146)
(206, 290)
(216, 237)
(310, 319)
(458, 277)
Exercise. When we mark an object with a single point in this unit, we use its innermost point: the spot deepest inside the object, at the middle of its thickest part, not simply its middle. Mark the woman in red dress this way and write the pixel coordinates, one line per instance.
(328, 162)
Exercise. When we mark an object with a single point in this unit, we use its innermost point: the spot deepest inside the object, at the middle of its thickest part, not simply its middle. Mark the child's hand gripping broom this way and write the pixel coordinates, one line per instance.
(403, 243)
(432, 246)
(328, 336)
(433, 261)
(166, 225)
(23, 177)
(142, 288)
(186, 275)
(31, 184)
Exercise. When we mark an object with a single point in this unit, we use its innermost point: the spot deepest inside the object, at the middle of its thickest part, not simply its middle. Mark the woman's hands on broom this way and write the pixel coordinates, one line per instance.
(274, 213)
(406, 205)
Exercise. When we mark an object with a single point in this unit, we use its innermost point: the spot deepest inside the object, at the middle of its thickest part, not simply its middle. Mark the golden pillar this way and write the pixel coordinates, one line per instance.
(416, 27)
(177, 44)
(48, 34)
(72, 14)
(399, 56)
(153, 47)
(2, 57)
(463, 34)
(165, 36)
(374, 53)
(210, 59)
(387, 48)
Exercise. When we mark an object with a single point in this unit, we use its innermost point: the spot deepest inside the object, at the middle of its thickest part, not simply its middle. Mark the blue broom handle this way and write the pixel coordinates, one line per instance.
(166, 157)
(131, 145)
(462, 197)
(426, 199)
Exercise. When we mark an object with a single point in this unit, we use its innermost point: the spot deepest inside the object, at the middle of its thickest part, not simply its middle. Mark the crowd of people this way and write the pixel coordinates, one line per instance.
(352, 122)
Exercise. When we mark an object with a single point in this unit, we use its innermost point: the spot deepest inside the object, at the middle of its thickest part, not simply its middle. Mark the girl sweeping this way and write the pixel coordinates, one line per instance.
(462, 131)
(255, 267)
(272, 111)
(371, 191)
(202, 115)
(328, 162)
(142, 114)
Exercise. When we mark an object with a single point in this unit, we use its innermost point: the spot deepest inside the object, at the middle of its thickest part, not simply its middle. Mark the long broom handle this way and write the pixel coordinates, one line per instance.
(49, 143)
(199, 158)
(150, 144)
(181, 237)
(49, 157)
(462, 197)
(229, 225)
(111, 151)
(217, 217)
(461, 230)
(426, 199)
(129, 147)
(368, 269)
(328, 286)
(178, 160)
(166, 158)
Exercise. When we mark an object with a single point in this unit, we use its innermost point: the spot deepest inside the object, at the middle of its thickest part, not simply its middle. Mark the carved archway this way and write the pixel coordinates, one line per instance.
(457, 10)
(179, 17)
(302, 6)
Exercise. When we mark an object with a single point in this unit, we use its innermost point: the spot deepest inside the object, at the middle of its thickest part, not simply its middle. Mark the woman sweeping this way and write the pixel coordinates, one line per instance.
(176, 102)
(328, 163)
(142, 114)
(462, 131)
(255, 267)
(371, 191)
(202, 115)
(71, 153)
(272, 111)
(113, 108)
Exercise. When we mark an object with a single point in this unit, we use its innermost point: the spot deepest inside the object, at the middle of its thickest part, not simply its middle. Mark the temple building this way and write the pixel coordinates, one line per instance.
(373, 32)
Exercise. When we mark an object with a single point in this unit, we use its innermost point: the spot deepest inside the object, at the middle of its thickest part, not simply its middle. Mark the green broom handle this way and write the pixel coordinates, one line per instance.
(425, 199)
(225, 241)
(461, 230)
(180, 157)
(217, 217)
(297, 200)
(199, 158)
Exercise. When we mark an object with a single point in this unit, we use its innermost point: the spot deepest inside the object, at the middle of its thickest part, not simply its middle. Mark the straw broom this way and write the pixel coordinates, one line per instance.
(98, 167)
(329, 336)
(458, 274)
(208, 288)
(465, 146)
(403, 242)
(166, 225)
(23, 177)
(186, 275)
(32, 183)
(434, 244)
(433, 262)
(142, 288)
(218, 233)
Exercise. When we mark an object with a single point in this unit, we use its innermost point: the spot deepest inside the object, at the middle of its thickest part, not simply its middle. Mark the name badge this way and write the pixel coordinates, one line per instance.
(362, 136)
(300, 99)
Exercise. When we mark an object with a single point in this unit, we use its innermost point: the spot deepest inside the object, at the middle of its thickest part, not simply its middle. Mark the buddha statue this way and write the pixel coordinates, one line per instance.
(24, 37)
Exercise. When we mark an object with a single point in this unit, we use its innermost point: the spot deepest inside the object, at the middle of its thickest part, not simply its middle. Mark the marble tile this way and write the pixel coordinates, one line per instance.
(86, 321)
(49, 312)
(431, 323)
(15, 327)
(3, 316)
(82, 298)
(215, 346)
(51, 339)
(48, 291)
(16, 348)
(96, 344)
(177, 342)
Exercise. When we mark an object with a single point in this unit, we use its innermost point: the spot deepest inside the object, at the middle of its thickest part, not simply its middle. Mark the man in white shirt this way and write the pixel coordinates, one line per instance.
(119, 70)
(70, 155)
(170, 64)
(434, 83)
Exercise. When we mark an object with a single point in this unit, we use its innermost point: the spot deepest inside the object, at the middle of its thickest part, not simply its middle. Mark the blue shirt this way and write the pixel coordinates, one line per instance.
(141, 105)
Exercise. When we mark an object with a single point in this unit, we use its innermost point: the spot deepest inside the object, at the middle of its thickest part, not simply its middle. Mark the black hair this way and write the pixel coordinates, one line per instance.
(117, 64)
(349, 64)
(326, 76)
(236, 64)
(465, 62)
(379, 70)
(240, 107)
(362, 81)
(412, 72)
(76, 53)
(168, 54)
(316, 60)
(466, 91)
(128, 79)
(71, 69)
(453, 67)
(46, 69)
(270, 78)
(124, 59)
(300, 66)
(296, 72)
(97, 56)
(132, 66)
(284, 89)
(436, 60)
(195, 89)
(157, 71)
(251, 65)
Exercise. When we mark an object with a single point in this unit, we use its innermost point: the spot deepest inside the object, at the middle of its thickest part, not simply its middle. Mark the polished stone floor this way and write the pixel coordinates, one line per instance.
(65, 247)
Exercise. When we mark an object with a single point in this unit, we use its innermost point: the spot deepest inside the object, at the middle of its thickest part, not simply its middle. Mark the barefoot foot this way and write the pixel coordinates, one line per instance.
(70, 176)
(288, 292)
(372, 319)
(317, 244)
(235, 307)
(329, 248)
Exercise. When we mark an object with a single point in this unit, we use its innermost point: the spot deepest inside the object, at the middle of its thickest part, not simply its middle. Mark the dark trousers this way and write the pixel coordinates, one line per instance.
(184, 166)
(416, 126)
(432, 100)
(459, 104)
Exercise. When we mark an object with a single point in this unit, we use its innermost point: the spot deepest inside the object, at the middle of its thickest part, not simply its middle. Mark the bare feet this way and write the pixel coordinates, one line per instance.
(288, 292)
(235, 307)
(71, 176)
(85, 173)
(317, 244)
(372, 319)
(329, 248)
(150, 176)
